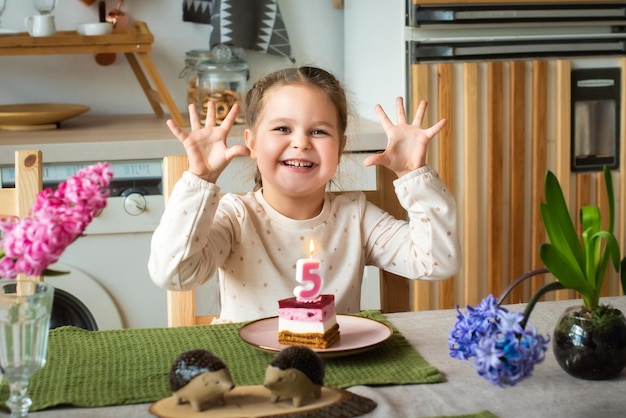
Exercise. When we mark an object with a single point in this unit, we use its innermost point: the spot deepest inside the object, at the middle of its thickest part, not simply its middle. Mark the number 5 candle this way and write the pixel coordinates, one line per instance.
(307, 273)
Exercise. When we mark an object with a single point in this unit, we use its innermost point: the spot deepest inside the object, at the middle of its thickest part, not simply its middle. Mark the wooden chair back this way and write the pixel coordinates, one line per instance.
(18, 200)
(181, 305)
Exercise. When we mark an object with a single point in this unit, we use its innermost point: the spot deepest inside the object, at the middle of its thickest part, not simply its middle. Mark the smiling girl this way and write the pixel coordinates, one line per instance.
(297, 120)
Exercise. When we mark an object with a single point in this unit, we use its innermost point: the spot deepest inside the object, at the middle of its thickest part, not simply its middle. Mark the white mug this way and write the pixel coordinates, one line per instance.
(40, 25)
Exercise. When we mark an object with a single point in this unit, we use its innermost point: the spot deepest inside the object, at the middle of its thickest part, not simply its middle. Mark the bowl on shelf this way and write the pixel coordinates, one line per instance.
(94, 28)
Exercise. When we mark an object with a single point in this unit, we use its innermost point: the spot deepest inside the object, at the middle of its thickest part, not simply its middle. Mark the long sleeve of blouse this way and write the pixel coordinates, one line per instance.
(256, 248)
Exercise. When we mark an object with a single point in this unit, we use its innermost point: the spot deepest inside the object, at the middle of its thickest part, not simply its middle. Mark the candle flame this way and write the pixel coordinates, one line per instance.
(311, 248)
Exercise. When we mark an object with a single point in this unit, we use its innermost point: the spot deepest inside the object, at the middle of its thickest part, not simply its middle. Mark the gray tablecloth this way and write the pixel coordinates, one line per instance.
(549, 393)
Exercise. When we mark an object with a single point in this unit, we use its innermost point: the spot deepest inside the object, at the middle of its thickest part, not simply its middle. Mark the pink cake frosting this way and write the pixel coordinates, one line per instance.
(300, 316)
(307, 315)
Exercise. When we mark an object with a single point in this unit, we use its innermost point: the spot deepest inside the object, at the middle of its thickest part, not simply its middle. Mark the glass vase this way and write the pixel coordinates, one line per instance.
(25, 308)
(591, 344)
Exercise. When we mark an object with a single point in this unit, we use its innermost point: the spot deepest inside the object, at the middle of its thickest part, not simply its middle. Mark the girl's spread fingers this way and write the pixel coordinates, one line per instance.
(229, 120)
(194, 119)
(419, 114)
(236, 150)
(376, 159)
(210, 114)
(178, 133)
(382, 117)
(400, 112)
(434, 130)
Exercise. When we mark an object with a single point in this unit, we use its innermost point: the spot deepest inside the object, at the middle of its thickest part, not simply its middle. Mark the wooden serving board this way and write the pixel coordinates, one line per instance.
(254, 401)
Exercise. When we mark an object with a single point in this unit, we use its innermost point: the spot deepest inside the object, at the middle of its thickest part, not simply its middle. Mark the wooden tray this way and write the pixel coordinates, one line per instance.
(35, 116)
(254, 401)
(136, 38)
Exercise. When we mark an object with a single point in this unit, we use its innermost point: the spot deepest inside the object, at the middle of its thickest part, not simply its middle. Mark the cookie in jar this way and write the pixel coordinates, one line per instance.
(189, 73)
(222, 79)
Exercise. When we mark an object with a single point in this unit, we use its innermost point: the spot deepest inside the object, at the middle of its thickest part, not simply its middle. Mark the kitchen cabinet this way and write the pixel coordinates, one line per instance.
(135, 43)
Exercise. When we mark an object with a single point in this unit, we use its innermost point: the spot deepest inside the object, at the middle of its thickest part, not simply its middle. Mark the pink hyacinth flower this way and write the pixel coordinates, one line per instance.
(56, 219)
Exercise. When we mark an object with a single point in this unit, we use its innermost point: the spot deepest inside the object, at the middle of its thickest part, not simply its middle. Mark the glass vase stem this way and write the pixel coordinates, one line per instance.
(18, 402)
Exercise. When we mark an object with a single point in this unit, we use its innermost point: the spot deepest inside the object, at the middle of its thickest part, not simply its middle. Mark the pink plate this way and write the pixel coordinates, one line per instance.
(358, 334)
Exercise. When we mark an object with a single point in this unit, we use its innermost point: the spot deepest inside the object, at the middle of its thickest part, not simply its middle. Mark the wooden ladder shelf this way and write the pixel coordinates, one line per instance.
(135, 43)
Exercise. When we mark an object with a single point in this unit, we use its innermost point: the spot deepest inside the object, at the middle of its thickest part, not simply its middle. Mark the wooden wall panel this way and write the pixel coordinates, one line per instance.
(420, 289)
(495, 171)
(498, 194)
(539, 165)
(471, 237)
(563, 138)
(517, 171)
(445, 142)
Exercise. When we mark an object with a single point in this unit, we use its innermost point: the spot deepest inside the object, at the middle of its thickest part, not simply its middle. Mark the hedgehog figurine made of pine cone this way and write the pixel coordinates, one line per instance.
(200, 378)
(294, 373)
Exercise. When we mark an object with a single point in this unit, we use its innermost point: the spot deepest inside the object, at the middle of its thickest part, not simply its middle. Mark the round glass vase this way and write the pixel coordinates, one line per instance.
(591, 344)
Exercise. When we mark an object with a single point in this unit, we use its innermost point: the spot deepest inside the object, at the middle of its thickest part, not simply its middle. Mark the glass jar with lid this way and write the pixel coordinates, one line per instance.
(222, 79)
(192, 58)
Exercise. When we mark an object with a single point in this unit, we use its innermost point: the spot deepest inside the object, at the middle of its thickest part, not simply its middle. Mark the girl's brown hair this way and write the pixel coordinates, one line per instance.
(308, 76)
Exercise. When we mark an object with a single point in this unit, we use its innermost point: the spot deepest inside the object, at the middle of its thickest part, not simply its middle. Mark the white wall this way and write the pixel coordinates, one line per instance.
(315, 31)
(374, 54)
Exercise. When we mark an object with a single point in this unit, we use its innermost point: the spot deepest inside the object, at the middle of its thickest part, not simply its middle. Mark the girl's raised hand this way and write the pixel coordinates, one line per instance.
(205, 145)
(406, 143)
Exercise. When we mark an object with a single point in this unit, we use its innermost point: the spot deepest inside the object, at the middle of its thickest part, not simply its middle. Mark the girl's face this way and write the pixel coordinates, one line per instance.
(295, 143)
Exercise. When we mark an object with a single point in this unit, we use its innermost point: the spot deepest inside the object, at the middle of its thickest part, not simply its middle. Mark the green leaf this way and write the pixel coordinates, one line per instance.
(50, 272)
(600, 262)
(566, 272)
(557, 220)
(590, 218)
(592, 255)
(579, 263)
(533, 300)
(608, 181)
(623, 274)
(611, 248)
(556, 237)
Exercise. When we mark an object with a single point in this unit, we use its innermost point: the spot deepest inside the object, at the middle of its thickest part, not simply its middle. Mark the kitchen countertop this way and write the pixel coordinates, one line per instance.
(128, 137)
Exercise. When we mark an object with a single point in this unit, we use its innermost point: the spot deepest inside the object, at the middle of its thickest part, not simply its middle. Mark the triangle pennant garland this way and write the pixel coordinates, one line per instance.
(197, 11)
(250, 24)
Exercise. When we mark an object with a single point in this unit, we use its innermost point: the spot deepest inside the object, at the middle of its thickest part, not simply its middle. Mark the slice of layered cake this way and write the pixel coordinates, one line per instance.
(311, 323)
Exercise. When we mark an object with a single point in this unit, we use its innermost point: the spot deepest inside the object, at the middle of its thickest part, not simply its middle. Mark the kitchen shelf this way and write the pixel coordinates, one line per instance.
(135, 43)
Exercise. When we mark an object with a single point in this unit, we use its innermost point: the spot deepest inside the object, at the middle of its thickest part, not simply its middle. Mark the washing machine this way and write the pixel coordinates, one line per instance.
(79, 300)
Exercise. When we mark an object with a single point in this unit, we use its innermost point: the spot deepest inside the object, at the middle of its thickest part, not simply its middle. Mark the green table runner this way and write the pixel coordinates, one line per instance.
(115, 367)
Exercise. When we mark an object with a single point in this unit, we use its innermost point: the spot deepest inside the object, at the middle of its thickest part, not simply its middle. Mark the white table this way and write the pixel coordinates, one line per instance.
(550, 392)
